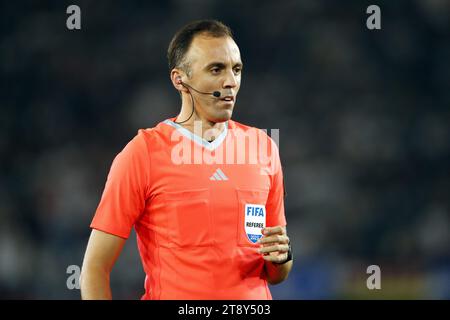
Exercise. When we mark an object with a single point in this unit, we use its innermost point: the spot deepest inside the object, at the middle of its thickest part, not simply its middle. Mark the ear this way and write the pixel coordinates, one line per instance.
(176, 76)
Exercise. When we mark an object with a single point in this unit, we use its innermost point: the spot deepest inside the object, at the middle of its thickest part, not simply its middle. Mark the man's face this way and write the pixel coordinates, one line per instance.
(215, 65)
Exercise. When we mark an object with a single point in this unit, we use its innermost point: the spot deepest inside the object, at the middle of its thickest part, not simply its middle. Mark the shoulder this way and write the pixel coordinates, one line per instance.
(260, 134)
(234, 125)
(154, 137)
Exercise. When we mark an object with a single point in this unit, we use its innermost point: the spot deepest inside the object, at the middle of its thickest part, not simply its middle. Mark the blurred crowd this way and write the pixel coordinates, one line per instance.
(364, 134)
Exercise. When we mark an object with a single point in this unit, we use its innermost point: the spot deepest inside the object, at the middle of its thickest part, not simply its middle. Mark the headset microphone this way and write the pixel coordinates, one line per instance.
(216, 94)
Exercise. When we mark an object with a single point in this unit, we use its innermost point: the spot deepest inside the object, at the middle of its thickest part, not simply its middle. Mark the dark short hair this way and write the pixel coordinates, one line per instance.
(182, 40)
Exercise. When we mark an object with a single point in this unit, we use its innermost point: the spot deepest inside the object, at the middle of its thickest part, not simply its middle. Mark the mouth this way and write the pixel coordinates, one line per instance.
(228, 99)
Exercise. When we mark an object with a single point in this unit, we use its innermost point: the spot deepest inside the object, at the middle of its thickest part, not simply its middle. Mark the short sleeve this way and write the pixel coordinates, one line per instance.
(125, 193)
(275, 200)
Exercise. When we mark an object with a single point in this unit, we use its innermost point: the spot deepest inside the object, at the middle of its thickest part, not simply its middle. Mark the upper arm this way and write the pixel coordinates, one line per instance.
(102, 251)
(126, 190)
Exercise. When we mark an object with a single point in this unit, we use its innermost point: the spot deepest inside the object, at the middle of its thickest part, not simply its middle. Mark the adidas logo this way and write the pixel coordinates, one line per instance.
(218, 176)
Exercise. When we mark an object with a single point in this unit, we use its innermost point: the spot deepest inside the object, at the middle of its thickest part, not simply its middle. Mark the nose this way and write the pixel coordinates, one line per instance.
(231, 80)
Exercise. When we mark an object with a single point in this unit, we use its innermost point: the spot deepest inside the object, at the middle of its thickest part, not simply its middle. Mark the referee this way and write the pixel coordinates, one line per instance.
(207, 205)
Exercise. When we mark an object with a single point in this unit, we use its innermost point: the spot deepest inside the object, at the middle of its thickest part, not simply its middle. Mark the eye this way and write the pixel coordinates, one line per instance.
(237, 70)
(215, 70)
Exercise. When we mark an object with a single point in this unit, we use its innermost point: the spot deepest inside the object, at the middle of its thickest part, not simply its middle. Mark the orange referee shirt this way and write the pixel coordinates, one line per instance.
(197, 208)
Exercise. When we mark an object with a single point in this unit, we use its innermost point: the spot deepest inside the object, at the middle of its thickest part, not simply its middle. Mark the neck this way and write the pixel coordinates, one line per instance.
(197, 123)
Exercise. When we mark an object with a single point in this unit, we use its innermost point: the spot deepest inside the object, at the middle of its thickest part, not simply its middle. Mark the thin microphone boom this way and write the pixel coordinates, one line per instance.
(214, 93)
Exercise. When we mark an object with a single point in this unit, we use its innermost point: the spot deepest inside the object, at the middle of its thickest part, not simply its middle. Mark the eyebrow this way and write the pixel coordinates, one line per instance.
(222, 65)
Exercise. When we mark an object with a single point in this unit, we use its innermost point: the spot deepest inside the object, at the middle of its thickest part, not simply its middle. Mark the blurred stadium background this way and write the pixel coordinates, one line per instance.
(363, 118)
